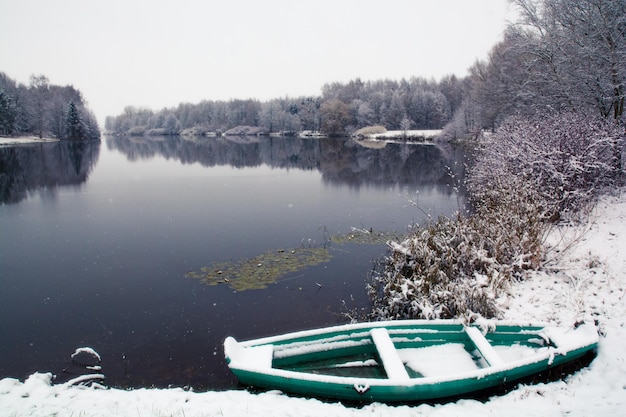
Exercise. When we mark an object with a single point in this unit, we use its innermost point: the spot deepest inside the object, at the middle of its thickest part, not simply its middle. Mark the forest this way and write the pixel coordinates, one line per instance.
(341, 109)
(559, 55)
(45, 110)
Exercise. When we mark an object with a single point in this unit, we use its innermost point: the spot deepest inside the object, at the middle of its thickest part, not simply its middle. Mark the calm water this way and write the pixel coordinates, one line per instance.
(96, 239)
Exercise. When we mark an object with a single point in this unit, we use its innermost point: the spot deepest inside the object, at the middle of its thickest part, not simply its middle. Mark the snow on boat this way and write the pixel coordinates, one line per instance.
(404, 361)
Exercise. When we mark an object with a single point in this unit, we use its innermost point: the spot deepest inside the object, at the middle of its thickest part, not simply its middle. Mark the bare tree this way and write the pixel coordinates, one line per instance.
(335, 116)
(40, 89)
(405, 125)
(577, 51)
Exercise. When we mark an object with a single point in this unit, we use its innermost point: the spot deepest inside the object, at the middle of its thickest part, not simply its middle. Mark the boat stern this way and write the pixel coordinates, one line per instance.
(259, 357)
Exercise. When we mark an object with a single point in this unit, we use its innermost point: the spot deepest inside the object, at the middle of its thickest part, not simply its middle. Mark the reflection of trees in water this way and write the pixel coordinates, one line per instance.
(27, 168)
(394, 164)
(340, 160)
(239, 152)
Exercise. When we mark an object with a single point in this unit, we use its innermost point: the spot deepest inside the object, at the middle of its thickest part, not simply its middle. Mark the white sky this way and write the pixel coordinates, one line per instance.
(158, 53)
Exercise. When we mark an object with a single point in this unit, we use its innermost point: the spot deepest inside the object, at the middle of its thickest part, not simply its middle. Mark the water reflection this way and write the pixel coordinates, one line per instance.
(239, 152)
(44, 167)
(341, 161)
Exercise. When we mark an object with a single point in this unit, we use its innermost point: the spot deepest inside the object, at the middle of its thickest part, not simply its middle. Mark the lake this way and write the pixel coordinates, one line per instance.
(132, 246)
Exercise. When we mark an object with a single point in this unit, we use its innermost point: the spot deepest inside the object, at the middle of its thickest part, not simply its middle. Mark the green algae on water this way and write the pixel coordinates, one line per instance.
(268, 268)
(258, 272)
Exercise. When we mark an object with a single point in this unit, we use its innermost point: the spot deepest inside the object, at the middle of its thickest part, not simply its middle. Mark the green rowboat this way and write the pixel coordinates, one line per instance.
(406, 360)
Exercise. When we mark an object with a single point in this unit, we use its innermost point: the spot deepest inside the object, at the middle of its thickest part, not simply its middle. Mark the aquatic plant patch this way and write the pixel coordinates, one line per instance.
(258, 272)
(268, 268)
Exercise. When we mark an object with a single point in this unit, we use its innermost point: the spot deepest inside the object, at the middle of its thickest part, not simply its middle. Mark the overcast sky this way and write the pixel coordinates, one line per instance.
(158, 53)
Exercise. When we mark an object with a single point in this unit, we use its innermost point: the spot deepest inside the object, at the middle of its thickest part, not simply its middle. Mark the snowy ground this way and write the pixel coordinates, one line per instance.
(22, 140)
(588, 282)
(401, 136)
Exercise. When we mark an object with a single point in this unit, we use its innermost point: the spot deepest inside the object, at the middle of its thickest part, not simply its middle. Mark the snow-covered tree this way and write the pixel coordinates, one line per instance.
(8, 113)
(40, 92)
(560, 55)
(365, 115)
(578, 47)
(74, 125)
(395, 111)
(171, 124)
(559, 162)
(405, 125)
(335, 116)
(90, 123)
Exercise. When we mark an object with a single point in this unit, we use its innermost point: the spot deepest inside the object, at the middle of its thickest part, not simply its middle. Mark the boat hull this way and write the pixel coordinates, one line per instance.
(284, 370)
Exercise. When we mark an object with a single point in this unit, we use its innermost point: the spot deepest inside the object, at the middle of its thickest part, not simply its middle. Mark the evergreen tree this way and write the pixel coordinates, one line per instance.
(8, 113)
(75, 128)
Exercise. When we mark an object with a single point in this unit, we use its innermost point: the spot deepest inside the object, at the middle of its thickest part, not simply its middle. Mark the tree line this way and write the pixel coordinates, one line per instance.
(559, 55)
(341, 109)
(45, 110)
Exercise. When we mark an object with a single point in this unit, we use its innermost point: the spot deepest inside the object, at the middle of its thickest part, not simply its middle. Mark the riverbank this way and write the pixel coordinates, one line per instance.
(408, 135)
(24, 140)
(585, 281)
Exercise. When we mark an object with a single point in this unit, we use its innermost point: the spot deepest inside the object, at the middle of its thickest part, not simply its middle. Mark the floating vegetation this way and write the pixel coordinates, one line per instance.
(258, 272)
(365, 236)
(268, 268)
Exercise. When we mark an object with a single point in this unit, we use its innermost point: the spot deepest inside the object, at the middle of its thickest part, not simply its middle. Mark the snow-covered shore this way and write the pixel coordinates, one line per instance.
(407, 134)
(588, 281)
(24, 140)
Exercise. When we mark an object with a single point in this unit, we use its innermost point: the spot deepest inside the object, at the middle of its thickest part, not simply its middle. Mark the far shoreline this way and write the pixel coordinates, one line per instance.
(24, 140)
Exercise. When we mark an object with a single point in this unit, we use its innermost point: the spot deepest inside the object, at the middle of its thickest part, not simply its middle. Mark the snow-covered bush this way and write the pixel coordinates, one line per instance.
(456, 266)
(246, 130)
(136, 131)
(369, 130)
(559, 162)
(527, 175)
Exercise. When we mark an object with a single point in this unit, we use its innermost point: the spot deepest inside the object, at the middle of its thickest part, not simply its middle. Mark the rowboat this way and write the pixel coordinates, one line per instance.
(404, 360)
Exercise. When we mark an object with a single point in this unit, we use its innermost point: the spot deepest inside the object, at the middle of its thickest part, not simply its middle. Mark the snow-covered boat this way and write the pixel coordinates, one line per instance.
(403, 361)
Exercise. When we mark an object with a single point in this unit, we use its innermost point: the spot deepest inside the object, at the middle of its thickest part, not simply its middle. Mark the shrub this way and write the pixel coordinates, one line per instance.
(136, 131)
(369, 130)
(560, 162)
(457, 266)
(158, 131)
(198, 130)
(246, 130)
